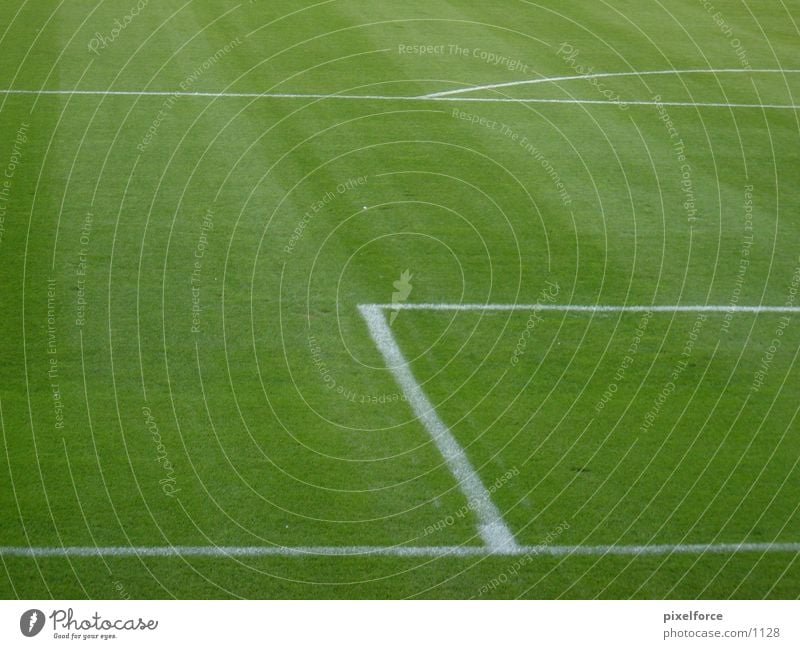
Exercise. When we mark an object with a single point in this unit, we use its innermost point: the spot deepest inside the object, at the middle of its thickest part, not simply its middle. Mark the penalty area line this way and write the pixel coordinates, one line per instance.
(397, 551)
(588, 308)
(491, 526)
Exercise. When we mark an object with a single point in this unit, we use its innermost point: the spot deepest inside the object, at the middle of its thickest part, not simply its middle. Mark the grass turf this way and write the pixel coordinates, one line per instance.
(277, 420)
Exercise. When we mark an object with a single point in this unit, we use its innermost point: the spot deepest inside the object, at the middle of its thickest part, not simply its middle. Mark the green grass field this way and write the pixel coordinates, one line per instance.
(197, 196)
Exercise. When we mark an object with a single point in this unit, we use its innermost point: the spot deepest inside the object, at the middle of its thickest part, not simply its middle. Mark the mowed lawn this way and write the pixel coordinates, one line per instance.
(183, 361)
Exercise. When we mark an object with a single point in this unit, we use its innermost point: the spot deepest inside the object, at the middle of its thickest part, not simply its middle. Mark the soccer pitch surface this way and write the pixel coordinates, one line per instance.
(429, 299)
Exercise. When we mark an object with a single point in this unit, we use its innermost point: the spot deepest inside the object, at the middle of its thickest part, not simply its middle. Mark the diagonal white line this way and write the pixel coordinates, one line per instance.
(491, 525)
(396, 550)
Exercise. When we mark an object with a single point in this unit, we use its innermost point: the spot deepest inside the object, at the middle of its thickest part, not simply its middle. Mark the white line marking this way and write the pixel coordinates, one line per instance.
(396, 550)
(500, 100)
(491, 525)
(588, 308)
(601, 75)
(499, 540)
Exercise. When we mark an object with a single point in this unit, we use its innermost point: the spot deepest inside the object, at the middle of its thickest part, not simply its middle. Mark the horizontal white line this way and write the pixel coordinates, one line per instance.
(588, 308)
(273, 95)
(395, 551)
(603, 75)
